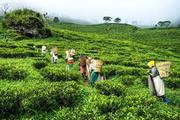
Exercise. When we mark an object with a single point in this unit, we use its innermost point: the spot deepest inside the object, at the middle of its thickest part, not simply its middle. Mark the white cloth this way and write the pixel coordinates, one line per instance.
(100, 77)
(51, 52)
(55, 56)
(72, 52)
(91, 66)
(43, 49)
(158, 84)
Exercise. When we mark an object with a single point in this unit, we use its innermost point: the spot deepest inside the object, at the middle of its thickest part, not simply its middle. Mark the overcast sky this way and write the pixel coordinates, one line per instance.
(143, 11)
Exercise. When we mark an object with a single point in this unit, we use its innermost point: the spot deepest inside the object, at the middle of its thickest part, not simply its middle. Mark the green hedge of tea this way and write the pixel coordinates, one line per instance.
(60, 74)
(110, 88)
(38, 97)
(12, 72)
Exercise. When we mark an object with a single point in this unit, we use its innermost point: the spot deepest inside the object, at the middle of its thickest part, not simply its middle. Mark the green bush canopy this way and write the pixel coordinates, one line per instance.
(27, 22)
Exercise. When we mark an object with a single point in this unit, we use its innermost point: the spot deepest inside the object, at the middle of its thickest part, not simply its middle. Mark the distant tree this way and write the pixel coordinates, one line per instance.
(45, 15)
(107, 18)
(4, 8)
(164, 23)
(56, 19)
(117, 20)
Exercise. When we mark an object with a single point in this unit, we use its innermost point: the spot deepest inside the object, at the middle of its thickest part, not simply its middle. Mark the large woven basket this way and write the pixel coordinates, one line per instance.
(98, 65)
(164, 68)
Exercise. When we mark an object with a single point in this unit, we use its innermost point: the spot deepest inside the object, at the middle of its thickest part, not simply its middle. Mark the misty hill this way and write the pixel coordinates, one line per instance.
(97, 28)
(73, 20)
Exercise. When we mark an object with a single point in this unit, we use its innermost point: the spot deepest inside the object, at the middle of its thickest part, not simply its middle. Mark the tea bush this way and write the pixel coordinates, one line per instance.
(52, 96)
(60, 74)
(109, 104)
(110, 88)
(40, 64)
(127, 80)
(11, 72)
(172, 82)
(54, 74)
(113, 70)
(17, 53)
(38, 97)
(10, 102)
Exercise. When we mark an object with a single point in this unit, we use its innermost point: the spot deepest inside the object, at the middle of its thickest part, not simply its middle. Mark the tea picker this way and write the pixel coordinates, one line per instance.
(70, 63)
(54, 55)
(67, 55)
(43, 51)
(96, 69)
(72, 54)
(155, 83)
(82, 65)
(69, 66)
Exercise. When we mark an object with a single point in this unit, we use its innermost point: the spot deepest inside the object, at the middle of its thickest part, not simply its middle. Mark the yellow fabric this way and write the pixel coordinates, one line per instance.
(151, 64)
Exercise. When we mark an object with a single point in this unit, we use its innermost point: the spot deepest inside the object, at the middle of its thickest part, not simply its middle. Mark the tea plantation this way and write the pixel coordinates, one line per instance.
(31, 87)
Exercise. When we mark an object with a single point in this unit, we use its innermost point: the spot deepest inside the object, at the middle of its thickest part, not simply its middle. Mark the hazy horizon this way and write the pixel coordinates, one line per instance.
(144, 12)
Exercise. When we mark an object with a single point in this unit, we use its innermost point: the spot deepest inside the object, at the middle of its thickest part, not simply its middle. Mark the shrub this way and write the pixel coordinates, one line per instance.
(11, 72)
(110, 88)
(142, 106)
(60, 74)
(17, 53)
(113, 70)
(172, 82)
(10, 102)
(127, 80)
(27, 22)
(54, 74)
(52, 96)
(40, 64)
(16, 99)
(109, 104)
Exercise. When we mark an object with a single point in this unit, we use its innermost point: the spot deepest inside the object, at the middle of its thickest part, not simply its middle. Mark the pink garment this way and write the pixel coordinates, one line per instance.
(83, 69)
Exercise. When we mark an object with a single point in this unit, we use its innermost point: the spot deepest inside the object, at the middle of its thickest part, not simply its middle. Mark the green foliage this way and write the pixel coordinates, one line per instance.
(114, 29)
(117, 20)
(36, 98)
(11, 72)
(10, 102)
(49, 97)
(27, 22)
(56, 19)
(17, 53)
(172, 82)
(113, 70)
(40, 64)
(164, 23)
(109, 104)
(110, 88)
(60, 74)
(107, 18)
